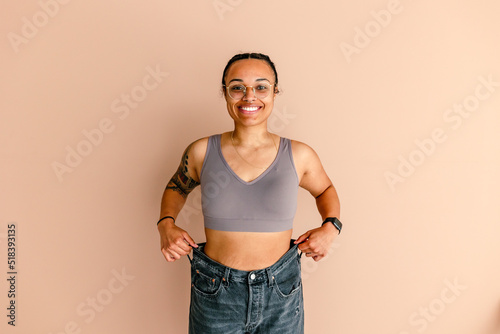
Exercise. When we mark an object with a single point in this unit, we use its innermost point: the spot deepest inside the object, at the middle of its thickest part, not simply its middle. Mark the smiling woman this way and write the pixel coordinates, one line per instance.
(246, 276)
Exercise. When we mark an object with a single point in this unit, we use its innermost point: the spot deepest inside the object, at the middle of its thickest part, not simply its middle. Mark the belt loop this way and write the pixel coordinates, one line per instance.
(191, 261)
(270, 277)
(225, 279)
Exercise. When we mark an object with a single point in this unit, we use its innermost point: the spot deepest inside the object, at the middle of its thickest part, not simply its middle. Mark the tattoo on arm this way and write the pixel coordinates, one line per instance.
(182, 182)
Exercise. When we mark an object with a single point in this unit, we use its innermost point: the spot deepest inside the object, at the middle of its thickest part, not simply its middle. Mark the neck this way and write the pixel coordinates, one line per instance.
(254, 136)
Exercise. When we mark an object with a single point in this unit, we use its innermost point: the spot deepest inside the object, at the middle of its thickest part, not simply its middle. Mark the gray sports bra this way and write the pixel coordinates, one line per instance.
(266, 204)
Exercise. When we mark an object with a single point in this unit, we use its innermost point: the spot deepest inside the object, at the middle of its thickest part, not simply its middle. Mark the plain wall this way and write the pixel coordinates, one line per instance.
(393, 95)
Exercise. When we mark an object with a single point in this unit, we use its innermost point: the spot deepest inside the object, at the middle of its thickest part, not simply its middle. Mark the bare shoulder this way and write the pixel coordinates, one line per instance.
(300, 146)
(194, 155)
(198, 149)
(309, 169)
(303, 152)
(304, 158)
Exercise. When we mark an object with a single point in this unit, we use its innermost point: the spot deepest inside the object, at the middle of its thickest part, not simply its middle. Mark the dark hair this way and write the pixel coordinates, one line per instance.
(252, 55)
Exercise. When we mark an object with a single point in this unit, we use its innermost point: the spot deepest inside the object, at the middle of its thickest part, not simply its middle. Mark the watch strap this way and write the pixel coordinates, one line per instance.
(335, 221)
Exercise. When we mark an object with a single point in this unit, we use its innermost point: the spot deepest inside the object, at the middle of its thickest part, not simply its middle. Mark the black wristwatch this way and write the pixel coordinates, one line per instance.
(334, 221)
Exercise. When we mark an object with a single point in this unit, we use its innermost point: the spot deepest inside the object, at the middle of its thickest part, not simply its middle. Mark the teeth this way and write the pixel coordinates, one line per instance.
(250, 108)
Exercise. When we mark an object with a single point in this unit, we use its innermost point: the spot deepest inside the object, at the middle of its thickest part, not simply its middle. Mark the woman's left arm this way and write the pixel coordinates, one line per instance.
(315, 243)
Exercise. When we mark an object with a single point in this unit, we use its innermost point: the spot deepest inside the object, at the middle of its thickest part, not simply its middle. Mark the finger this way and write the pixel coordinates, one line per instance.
(182, 246)
(190, 240)
(178, 250)
(174, 255)
(317, 258)
(302, 238)
(305, 247)
(168, 256)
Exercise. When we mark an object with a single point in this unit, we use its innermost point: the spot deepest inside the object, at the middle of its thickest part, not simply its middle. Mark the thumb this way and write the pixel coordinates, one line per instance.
(302, 237)
(190, 240)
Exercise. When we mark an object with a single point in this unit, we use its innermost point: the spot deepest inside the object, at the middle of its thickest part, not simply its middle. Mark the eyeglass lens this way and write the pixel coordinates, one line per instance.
(237, 91)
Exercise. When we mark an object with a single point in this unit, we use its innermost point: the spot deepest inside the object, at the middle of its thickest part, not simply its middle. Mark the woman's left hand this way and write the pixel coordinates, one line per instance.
(316, 243)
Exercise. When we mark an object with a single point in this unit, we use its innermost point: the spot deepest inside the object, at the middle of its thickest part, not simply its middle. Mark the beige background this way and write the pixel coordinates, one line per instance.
(363, 110)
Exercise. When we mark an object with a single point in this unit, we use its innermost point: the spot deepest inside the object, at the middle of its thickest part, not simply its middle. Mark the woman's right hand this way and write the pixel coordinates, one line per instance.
(175, 242)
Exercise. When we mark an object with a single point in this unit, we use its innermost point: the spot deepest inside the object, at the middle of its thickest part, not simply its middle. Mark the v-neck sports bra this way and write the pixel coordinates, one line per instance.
(265, 204)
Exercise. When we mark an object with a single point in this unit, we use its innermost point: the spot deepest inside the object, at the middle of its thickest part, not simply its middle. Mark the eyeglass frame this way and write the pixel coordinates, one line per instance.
(245, 92)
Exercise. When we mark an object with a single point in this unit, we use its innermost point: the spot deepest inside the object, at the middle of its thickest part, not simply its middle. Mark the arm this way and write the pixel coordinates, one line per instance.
(328, 203)
(176, 242)
(316, 242)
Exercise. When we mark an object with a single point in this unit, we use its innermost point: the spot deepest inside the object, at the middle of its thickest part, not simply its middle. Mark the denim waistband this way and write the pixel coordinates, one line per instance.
(252, 277)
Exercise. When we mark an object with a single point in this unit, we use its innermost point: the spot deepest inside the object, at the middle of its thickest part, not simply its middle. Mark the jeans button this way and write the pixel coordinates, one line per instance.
(252, 276)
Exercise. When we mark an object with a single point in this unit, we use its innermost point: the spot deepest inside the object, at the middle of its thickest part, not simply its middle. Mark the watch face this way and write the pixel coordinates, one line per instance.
(338, 225)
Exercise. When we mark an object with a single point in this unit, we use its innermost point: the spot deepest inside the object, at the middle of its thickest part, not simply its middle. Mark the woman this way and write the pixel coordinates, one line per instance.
(246, 277)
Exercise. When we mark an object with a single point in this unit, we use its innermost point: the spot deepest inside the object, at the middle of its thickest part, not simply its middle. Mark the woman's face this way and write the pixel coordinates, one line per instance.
(250, 110)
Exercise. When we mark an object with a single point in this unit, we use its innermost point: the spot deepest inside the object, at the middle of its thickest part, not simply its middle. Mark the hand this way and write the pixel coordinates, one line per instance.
(175, 242)
(316, 243)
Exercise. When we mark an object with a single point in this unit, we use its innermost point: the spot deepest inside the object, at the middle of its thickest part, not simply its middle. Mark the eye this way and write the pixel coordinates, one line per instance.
(262, 87)
(237, 88)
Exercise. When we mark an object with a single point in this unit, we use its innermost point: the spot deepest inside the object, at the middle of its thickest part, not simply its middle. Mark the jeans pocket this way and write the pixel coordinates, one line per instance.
(288, 281)
(205, 281)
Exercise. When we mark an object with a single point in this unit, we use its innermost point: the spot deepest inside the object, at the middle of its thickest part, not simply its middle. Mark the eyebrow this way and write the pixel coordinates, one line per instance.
(240, 80)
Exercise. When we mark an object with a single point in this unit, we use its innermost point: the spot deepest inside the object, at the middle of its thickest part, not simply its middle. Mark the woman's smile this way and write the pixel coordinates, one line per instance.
(249, 109)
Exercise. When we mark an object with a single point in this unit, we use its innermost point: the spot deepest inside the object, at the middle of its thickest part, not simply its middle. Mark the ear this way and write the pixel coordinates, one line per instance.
(223, 91)
(276, 90)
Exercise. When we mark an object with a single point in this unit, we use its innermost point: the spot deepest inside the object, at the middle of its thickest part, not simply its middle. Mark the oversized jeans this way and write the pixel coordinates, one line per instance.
(231, 301)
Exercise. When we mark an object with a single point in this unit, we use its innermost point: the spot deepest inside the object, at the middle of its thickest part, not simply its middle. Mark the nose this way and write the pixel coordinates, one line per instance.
(249, 94)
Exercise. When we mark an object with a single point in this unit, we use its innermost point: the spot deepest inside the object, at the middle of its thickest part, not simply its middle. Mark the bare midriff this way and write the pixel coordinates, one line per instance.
(246, 250)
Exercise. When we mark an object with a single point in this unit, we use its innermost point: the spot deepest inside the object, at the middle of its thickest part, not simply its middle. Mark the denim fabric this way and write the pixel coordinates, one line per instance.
(231, 301)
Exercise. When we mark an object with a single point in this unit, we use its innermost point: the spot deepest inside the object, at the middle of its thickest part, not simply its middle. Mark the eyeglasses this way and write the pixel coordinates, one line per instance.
(237, 90)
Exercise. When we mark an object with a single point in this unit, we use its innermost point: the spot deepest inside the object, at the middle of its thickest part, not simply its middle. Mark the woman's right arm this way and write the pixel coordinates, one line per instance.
(176, 242)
